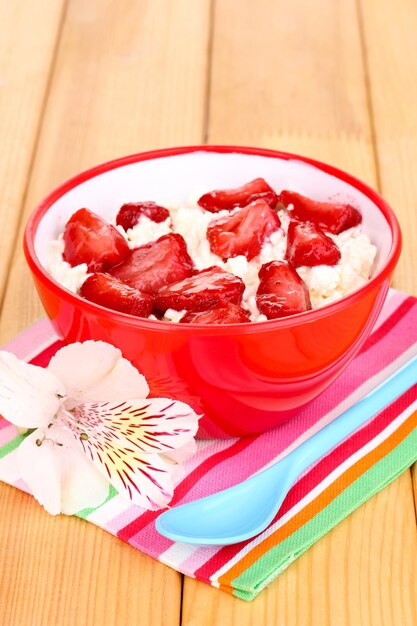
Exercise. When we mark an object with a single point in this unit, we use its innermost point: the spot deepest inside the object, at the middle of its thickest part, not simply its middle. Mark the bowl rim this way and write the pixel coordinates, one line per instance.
(41, 274)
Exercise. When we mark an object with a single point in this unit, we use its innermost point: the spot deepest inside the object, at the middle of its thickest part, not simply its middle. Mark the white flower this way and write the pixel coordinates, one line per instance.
(94, 426)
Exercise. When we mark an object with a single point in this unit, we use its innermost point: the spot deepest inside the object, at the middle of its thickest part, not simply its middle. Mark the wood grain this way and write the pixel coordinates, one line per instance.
(62, 571)
(391, 56)
(28, 36)
(335, 81)
(359, 574)
(392, 68)
(128, 76)
(292, 77)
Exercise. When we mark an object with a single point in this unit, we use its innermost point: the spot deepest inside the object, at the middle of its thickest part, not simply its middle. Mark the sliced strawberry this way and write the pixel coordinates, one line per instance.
(107, 291)
(130, 213)
(204, 290)
(228, 199)
(307, 245)
(331, 216)
(243, 232)
(281, 291)
(156, 264)
(91, 239)
(227, 313)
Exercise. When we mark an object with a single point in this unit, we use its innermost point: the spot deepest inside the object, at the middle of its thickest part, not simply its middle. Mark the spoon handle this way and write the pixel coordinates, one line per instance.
(342, 426)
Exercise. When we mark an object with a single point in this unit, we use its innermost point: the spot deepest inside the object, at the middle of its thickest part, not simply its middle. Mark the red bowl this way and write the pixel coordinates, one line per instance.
(243, 378)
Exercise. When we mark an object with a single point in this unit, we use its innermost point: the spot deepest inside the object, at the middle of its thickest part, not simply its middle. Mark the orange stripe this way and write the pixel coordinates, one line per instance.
(322, 500)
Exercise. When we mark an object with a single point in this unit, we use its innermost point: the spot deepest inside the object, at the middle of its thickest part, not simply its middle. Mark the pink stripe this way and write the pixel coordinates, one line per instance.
(4, 423)
(127, 516)
(42, 359)
(198, 559)
(149, 536)
(7, 432)
(205, 451)
(27, 341)
(188, 483)
(393, 301)
(267, 446)
(206, 561)
(130, 514)
(363, 367)
(225, 474)
(148, 548)
(319, 472)
(385, 329)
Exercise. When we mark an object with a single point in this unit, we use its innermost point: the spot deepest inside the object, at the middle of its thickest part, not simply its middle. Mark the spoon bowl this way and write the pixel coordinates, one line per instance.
(233, 514)
(246, 509)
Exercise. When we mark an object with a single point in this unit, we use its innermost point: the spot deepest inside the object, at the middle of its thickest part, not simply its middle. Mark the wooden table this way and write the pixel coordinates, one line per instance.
(84, 81)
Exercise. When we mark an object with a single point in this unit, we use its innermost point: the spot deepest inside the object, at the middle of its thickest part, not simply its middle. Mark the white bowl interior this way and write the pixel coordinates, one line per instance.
(172, 180)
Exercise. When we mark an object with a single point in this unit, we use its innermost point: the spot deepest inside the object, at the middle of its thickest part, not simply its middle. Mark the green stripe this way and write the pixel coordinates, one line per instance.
(11, 445)
(86, 512)
(14, 443)
(249, 584)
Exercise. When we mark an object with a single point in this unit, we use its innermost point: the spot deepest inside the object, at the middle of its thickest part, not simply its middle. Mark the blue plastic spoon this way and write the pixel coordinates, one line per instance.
(246, 509)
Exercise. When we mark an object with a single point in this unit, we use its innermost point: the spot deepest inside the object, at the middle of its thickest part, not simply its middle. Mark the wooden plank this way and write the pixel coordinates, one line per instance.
(360, 573)
(291, 79)
(128, 77)
(58, 571)
(28, 35)
(391, 51)
(295, 80)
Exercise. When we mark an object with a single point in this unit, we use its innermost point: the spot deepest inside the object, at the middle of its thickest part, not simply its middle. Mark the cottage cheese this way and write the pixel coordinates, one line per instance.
(146, 231)
(325, 283)
(328, 283)
(70, 277)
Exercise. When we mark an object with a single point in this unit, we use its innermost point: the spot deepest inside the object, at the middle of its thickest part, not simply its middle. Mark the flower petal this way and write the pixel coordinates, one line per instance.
(124, 382)
(176, 459)
(82, 486)
(144, 479)
(58, 474)
(30, 395)
(147, 483)
(40, 469)
(97, 371)
(124, 439)
(180, 455)
(151, 426)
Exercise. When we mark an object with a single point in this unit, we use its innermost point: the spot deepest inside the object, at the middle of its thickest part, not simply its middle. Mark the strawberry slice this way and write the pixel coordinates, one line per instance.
(224, 314)
(243, 232)
(111, 293)
(227, 199)
(307, 245)
(156, 264)
(204, 290)
(91, 239)
(130, 213)
(330, 216)
(281, 291)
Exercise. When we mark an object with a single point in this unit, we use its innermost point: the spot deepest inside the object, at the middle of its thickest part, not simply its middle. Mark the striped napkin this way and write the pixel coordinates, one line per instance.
(325, 494)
